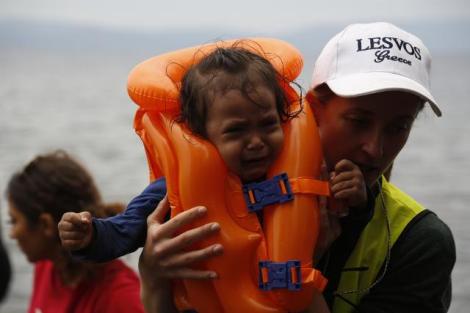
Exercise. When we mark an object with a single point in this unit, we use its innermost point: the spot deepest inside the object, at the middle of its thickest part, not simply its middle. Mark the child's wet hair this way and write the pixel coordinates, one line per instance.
(226, 69)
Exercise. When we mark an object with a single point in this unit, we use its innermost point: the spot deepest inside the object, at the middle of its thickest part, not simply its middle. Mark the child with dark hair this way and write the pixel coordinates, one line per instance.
(233, 98)
(38, 195)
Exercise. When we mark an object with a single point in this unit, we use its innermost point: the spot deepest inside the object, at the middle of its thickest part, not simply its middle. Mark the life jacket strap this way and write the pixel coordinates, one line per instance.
(288, 275)
(271, 191)
(306, 185)
(276, 275)
(314, 277)
(280, 189)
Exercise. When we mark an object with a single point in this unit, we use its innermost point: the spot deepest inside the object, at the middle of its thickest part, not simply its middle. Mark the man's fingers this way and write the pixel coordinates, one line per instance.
(167, 256)
(188, 258)
(188, 273)
(182, 241)
(184, 218)
(158, 215)
(191, 236)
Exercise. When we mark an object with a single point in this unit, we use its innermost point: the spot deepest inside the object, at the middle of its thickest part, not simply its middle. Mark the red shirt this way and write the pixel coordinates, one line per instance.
(114, 289)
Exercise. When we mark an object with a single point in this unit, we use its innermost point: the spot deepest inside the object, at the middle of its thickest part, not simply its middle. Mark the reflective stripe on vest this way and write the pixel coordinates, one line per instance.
(371, 249)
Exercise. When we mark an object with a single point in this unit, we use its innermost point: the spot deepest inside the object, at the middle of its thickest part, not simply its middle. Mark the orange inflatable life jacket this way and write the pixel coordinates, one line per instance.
(262, 269)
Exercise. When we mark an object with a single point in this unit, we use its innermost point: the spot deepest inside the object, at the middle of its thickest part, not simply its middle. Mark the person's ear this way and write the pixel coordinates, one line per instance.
(48, 224)
(315, 104)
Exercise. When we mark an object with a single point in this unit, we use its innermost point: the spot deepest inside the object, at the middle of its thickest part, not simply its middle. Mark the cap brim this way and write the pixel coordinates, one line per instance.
(368, 83)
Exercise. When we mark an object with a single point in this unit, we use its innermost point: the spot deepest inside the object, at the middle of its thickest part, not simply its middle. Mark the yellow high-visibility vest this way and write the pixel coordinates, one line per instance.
(371, 249)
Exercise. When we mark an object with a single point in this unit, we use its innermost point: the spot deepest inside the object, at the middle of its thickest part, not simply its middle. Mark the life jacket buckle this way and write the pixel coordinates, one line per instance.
(270, 191)
(275, 275)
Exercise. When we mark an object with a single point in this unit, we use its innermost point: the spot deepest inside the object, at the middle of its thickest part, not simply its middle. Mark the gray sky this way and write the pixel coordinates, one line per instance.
(262, 15)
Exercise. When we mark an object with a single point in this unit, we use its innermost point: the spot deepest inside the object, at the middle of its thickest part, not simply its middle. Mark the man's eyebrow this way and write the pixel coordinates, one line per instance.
(359, 110)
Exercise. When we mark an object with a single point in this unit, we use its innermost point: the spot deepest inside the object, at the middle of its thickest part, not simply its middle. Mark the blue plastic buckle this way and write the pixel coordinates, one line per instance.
(279, 275)
(274, 190)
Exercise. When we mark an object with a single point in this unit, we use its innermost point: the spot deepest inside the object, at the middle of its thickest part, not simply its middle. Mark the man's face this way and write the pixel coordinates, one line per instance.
(369, 130)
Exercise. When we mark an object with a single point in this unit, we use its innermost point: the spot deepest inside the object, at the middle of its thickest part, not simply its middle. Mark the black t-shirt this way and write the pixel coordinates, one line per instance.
(418, 275)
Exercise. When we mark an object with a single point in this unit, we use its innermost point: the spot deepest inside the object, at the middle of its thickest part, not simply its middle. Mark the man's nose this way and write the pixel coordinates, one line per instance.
(373, 144)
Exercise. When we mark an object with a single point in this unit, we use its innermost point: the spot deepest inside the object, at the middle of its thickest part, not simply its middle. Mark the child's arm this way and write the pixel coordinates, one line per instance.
(124, 233)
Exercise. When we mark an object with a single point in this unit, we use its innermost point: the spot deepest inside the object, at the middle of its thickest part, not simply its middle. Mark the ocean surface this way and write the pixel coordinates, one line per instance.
(77, 101)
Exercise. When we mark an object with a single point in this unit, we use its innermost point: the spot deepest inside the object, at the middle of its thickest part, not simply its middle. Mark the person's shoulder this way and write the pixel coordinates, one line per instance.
(425, 220)
(428, 226)
(429, 235)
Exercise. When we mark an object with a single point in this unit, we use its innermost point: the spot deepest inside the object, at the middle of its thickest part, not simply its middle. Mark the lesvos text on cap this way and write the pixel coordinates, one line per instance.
(369, 58)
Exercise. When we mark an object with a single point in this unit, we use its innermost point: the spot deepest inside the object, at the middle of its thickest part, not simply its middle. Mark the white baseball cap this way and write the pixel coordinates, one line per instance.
(368, 58)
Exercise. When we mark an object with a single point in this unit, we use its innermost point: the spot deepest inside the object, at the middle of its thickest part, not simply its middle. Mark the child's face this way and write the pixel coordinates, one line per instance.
(247, 134)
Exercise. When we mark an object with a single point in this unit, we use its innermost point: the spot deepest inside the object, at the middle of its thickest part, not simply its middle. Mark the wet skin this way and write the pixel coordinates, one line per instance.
(369, 131)
(247, 132)
(33, 240)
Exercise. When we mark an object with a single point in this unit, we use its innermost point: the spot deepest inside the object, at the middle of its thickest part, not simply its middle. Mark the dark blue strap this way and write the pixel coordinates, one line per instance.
(275, 275)
(270, 191)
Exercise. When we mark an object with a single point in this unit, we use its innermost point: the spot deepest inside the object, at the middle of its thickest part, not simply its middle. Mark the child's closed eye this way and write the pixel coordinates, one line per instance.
(270, 122)
(234, 129)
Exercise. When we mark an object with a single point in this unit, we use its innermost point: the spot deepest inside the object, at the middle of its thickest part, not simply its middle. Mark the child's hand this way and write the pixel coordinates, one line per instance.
(75, 230)
(348, 185)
